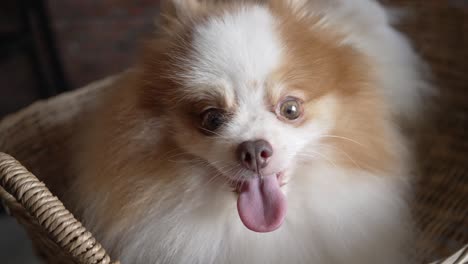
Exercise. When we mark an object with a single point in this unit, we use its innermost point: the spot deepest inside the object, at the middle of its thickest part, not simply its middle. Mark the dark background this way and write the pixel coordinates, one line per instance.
(50, 47)
(47, 47)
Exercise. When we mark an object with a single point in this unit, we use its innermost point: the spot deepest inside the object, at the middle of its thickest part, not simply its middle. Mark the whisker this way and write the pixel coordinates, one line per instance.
(346, 154)
(222, 170)
(216, 175)
(344, 138)
(321, 155)
(213, 132)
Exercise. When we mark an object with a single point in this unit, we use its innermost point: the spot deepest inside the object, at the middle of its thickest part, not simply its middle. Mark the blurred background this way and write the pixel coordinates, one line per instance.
(50, 47)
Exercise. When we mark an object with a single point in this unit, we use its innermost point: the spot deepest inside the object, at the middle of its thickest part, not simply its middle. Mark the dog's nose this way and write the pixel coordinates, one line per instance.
(254, 155)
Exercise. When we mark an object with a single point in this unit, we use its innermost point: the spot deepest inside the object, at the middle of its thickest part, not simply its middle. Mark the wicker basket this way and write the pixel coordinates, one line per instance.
(40, 136)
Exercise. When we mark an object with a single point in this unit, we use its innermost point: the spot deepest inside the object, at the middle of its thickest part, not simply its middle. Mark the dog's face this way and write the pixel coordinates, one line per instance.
(258, 89)
(235, 92)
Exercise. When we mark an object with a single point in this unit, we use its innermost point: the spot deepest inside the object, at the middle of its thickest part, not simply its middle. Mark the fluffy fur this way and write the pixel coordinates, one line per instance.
(154, 187)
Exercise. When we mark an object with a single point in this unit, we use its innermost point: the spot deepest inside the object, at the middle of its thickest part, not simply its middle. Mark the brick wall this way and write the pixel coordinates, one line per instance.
(100, 37)
(94, 38)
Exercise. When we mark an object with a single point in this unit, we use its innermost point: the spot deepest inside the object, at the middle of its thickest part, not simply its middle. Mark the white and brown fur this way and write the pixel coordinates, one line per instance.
(154, 188)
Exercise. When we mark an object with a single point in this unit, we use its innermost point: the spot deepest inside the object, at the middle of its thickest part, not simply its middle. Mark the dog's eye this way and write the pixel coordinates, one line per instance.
(212, 119)
(290, 109)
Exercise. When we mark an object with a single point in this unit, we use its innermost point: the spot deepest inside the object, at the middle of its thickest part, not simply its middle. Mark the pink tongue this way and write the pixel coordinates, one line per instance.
(261, 204)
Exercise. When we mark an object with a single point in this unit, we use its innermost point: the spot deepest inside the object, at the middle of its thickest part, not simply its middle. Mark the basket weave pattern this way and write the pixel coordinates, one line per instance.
(439, 29)
(40, 210)
(40, 136)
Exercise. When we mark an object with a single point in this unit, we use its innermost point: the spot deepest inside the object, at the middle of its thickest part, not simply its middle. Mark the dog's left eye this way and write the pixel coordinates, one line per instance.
(213, 119)
(291, 109)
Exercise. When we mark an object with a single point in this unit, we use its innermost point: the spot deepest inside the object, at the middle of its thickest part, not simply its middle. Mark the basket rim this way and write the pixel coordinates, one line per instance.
(20, 189)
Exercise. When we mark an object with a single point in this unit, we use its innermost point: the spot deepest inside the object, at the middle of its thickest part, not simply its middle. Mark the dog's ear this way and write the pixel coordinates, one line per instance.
(178, 10)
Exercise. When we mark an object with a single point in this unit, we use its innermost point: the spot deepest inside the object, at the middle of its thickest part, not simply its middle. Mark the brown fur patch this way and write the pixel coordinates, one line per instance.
(318, 66)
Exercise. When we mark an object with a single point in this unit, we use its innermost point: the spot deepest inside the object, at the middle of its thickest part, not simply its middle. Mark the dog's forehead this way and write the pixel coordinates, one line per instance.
(234, 51)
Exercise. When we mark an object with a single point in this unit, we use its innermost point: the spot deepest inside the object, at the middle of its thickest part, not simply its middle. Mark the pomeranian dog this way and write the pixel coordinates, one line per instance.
(257, 131)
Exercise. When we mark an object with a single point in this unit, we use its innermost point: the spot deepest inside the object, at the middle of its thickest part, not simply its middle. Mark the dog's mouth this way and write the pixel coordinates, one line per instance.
(238, 185)
(261, 203)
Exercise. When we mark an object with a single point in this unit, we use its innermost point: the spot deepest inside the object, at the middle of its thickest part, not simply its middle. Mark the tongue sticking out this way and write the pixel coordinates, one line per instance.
(261, 204)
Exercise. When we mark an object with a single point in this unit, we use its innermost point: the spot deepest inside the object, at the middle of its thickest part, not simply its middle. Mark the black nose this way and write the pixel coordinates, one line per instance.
(254, 155)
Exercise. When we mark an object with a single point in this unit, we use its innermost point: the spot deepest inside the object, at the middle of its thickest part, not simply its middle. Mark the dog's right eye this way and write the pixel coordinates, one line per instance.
(212, 119)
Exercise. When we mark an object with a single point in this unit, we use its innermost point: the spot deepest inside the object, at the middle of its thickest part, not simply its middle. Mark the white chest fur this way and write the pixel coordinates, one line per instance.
(333, 217)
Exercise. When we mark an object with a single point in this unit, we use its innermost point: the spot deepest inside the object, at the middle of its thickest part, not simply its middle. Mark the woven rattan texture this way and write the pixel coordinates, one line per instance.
(49, 213)
(439, 29)
(40, 136)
